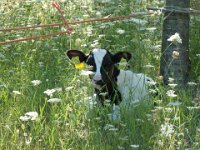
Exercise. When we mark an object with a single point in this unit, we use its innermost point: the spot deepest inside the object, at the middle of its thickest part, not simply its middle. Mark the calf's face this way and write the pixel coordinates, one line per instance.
(102, 63)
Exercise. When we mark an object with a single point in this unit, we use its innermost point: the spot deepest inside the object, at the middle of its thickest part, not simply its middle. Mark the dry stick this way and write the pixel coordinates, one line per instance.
(60, 24)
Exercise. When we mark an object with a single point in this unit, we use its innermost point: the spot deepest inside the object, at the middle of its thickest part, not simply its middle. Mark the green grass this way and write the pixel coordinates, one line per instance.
(71, 124)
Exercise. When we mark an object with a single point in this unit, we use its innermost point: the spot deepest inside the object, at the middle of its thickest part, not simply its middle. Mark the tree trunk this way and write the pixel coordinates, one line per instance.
(178, 66)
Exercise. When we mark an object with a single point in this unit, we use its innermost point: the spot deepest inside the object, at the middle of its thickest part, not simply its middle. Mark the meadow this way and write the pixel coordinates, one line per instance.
(45, 102)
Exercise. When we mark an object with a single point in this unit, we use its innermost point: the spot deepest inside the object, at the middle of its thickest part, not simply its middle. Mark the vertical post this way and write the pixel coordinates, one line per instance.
(177, 66)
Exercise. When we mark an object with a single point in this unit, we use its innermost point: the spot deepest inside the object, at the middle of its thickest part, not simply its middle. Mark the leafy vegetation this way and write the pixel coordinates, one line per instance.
(60, 118)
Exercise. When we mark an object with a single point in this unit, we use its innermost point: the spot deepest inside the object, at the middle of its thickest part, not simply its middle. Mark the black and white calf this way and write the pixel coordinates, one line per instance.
(121, 86)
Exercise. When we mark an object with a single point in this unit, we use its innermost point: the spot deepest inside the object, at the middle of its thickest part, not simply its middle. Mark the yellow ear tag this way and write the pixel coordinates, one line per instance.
(80, 66)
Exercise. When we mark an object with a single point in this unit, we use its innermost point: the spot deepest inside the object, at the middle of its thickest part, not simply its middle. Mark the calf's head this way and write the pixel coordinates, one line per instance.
(103, 64)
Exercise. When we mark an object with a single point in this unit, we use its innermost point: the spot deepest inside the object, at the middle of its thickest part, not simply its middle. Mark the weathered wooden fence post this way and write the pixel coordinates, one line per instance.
(175, 61)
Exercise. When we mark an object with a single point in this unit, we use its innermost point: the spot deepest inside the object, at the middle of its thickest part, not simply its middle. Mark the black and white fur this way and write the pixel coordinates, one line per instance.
(121, 86)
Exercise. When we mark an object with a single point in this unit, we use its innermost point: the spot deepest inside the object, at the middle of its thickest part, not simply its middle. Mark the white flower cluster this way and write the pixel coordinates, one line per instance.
(54, 100)
(120, 31)
(175, 38)
(50, 92)
(29, 116)
(171, 93)
(36, 82)
(167, 129)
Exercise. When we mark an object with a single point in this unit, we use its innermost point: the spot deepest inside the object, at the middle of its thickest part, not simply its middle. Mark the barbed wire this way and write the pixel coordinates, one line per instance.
(65, 23)
(70, 29)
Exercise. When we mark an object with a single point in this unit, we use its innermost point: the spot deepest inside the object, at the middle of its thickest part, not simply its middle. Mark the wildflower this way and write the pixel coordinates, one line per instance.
(168, 110)
(151, 29)
(83, 45)
(103, 93)
(106, 1)
(177, 103)
(33, 115)
(54, 100)
(17, 92)
(135, 146)
(108, 126)
(175, 38)
(139, 120)
(160, 78)
(98, 13)
(191, 83)
(58, 89)
(24, 118)
(160, 143)
(120, 31)
(120, 147)
(175, 54)
(78, 41)
(152, 91)
(69, 88)
(28, 141)
(151, 83)
(41, 64)
(95, 44)
(113, 129)
(193, 108)
(167, 129)
(85, 15)
(29, 116)
(158, 12)
(149, 66)
(125, 138)
(171, 93)
(36, 82)
(107, 101)
(50, 92)
(84, 6)
(86, 73)
(172, 85)
(63, 29)
(102, 35)
(69, 108)
(171, 80)
(138, 21)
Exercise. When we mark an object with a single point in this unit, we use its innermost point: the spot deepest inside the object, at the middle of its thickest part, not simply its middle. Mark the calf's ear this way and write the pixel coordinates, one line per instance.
(76, 53)
(119, 55)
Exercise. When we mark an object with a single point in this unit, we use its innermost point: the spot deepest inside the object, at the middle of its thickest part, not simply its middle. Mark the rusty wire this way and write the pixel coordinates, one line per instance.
(61, 24)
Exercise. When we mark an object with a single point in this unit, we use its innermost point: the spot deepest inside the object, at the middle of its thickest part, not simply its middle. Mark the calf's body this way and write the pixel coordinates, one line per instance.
(120, 86)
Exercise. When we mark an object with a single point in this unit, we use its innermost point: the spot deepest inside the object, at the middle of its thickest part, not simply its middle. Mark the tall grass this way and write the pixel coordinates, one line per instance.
(174, 123)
